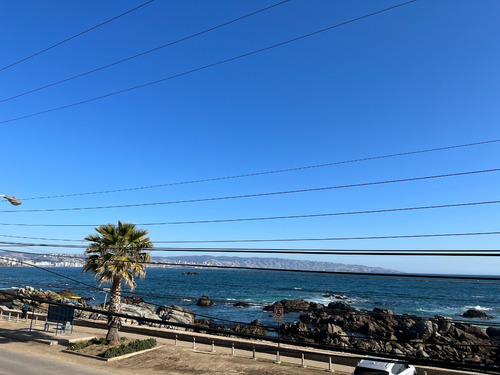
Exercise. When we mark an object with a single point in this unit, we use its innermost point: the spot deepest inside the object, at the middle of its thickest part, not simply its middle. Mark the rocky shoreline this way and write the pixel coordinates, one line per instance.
(337, 325)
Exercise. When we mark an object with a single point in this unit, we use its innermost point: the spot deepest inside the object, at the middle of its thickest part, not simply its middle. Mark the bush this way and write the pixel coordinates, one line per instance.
(132, 347)
(83, 344)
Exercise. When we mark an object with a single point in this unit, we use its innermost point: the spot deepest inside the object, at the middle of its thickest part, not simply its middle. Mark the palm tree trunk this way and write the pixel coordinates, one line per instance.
(114, 322)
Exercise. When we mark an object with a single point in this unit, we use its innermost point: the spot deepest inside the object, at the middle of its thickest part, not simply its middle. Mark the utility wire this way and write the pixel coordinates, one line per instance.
(417, 208)
(271, 172)
(412, 252)
(430, 235)
(75, 36)
(325, 188)
(345, 273)
(145, 52)
(257, 195)
(220, 62)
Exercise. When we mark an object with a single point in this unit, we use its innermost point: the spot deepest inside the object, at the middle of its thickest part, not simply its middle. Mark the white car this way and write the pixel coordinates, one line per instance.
(383, 366)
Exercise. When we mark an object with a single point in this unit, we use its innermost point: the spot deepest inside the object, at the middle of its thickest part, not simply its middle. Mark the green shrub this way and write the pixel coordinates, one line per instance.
(83, 344)
(132, 347)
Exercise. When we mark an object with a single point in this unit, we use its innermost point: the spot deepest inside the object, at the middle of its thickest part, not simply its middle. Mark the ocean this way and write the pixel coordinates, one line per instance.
(423, 297)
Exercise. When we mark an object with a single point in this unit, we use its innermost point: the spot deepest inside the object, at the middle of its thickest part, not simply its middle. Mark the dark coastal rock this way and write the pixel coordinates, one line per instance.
(383, 312)
(444, 324)
(476, 314)
(341, 306)
(294, 305)
(422, 330)
(255, 328)
(493, 333)
(204, 301)
(241, 304)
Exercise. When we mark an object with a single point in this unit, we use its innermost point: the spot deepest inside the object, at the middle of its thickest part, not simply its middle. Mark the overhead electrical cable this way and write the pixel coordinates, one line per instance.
(415, 208)
(430, 235)
(220, 62)
(344, 273)
(316, 251)
(270, 172)
(75, 36)
(364, 184)
(145, 52)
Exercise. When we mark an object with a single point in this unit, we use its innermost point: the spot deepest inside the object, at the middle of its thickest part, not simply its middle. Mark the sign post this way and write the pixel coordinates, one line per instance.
(278, 318)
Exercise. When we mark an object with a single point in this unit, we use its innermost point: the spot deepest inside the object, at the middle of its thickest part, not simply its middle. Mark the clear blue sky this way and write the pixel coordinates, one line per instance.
(421, 76)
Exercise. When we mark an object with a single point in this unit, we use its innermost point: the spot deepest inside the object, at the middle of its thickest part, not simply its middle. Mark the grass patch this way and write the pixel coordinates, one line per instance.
(100, 348)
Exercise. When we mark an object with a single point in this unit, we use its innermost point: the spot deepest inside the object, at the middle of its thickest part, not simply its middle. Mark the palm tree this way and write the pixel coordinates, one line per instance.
(116, 254)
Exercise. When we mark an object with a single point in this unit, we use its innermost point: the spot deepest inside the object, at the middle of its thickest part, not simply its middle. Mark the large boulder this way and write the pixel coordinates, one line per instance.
(138, 312)
(444, 324)
(241, 304)
(204, 301)
(176, 314)
(255, 328)
(422, 330)
(340, 306)
(294, 305)
(493, 333)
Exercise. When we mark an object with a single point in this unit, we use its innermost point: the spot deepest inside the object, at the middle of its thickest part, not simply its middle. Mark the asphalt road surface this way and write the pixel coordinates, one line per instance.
(13, 362)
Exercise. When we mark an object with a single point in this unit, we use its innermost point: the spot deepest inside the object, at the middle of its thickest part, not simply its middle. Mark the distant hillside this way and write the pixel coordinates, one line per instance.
(257, 262)
(77, 260)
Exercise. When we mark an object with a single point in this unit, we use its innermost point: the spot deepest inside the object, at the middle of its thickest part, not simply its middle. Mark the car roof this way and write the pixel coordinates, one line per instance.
(376, 363)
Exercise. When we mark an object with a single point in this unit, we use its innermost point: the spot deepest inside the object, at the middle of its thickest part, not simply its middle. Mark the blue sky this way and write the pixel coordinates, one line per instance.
(420, 76)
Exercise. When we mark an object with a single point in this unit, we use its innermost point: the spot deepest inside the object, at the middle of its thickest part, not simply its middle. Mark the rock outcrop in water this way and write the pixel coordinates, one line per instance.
(476, 314)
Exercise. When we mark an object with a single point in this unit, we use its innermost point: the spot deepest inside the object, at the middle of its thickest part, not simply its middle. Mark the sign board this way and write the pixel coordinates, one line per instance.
(278, 314)
(61, 314)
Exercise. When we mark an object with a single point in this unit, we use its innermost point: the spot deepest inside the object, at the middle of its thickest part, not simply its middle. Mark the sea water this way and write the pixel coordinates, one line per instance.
(420, 296)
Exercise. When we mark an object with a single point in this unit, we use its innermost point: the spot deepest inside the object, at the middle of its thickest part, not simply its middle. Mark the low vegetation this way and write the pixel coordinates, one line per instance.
(100, 347)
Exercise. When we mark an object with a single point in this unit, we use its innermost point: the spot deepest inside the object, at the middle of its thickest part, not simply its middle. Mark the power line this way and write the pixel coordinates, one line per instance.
(257, 195)
(270, 172)
(75, 36)
(417, 208)
(430, 235)
(220, 62)
(344, 273)
(333, 238)
(399, 252)
(145, 52)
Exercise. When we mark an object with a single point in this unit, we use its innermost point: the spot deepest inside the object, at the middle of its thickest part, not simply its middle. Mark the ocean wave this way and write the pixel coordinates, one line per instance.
(482, 308)
(297, 288)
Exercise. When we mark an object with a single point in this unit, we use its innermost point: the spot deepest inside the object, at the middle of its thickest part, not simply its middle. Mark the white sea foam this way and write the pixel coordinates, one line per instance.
(482, 308)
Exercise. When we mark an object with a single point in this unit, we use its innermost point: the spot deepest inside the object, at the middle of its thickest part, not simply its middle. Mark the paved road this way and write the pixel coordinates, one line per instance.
(13, 362)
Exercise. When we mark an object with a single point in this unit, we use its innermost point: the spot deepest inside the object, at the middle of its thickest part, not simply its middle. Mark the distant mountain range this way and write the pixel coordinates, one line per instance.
(76, 260)
(279, 263)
